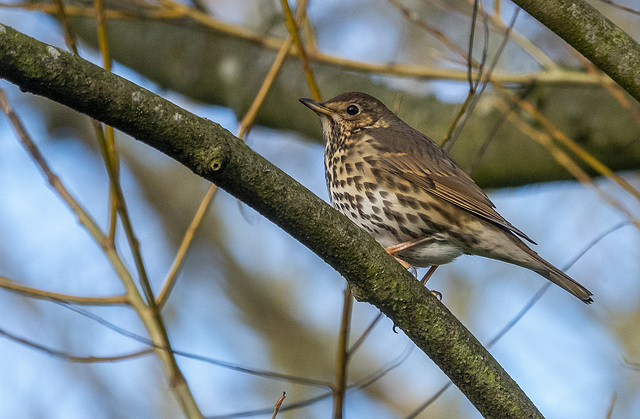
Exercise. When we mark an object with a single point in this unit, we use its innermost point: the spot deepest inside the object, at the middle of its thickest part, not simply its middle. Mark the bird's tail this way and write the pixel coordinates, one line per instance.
(555, 275)
(563, 280)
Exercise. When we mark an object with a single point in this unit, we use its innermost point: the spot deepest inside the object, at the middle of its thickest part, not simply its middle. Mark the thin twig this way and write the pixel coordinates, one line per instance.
(292, 27)
(342, 357)
(456, 128)
(250, 116)
(413, 17)
(13, 286)
(470, 80)
(223, 364)
(584, 155)
(278, 404)
(529, 47)
(364, 335)
(69, 38)
(621, 7)
(614, 397)
(109, 136)
(189, 235)
(73, 358)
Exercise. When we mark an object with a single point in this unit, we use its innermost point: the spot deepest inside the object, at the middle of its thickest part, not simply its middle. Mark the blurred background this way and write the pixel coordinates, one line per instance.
(250, 296)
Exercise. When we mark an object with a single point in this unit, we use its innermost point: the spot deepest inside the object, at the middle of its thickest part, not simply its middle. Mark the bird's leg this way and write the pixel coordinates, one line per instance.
(392, 250)
(427, 276)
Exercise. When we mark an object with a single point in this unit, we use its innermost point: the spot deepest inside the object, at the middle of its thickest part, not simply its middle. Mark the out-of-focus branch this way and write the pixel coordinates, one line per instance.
(603, 43)
(10, 285)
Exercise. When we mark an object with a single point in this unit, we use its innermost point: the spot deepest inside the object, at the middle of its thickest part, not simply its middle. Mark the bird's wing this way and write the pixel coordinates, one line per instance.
(420, 161)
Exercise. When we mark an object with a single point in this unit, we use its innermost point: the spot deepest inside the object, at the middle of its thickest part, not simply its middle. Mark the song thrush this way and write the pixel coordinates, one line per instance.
(406, 191)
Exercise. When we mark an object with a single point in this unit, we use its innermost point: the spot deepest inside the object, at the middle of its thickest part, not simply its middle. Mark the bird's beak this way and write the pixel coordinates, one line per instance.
(317, 107)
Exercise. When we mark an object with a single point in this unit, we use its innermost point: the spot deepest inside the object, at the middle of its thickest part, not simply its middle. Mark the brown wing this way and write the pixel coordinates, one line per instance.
(420, 161)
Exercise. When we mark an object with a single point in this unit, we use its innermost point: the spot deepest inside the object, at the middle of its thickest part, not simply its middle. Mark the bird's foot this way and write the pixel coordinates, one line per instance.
(404, 264)
(427, 276)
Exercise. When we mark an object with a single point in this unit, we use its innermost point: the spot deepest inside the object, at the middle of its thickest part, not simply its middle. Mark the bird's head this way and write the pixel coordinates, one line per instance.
(350, 113)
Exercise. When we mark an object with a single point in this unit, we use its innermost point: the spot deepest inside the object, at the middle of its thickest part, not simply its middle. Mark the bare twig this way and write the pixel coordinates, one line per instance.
(364, 335)
(413, 17)
(342, 357)
(73, 358)
(187, 239)
(621, 7)
(472, 100)
(292, 27)
(559, 136)
(69, 39)
(109, 136)
(278, 404)
(13, 286)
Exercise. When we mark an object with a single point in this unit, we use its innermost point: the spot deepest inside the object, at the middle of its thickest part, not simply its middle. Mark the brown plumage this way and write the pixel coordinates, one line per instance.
(402, 187)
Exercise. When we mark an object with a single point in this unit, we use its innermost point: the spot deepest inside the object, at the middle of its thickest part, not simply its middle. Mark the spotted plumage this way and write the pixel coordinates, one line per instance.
(401, 187)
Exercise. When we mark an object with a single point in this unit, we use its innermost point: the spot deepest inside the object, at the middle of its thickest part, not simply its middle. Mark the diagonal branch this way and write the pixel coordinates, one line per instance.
(603, 43)
(215, 154)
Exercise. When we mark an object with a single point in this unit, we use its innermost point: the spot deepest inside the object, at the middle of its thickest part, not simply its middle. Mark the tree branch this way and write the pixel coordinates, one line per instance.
(215, 154)
(603, 43)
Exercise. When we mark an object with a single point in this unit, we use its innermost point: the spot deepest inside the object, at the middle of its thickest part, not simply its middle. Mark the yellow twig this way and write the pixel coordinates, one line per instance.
(103, 46)
(554, 75)
(276, 408)
(172, 275)
(342, 357)
(250, 116)
(148, 313)
(292, 27)
(13, 286)
(245, 125)
(69, 39)
(559, 136)
(563, 159)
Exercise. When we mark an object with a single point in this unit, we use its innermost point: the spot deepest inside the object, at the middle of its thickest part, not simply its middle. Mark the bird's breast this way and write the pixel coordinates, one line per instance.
(389, 208)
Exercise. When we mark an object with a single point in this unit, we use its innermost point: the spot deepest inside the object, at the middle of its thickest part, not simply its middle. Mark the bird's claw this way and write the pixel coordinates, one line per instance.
(436, 294)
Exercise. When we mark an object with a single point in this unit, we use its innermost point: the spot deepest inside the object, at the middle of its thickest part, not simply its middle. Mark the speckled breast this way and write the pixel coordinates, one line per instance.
(389, 208)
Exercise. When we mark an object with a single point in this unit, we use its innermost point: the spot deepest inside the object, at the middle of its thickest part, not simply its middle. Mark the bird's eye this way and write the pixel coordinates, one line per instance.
(353, 110)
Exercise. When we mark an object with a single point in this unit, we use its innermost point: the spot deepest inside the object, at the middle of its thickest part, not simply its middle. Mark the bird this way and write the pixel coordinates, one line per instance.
(407, 192)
